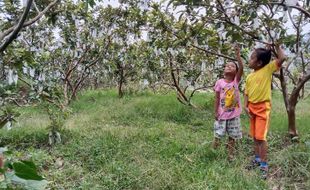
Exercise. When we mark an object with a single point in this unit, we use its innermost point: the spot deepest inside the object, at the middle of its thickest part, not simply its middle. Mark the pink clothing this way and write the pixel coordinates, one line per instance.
(229, 106)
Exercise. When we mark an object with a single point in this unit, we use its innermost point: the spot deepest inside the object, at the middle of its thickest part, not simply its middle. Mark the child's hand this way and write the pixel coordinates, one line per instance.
(237, 49)
(247, 111)
(281, 57)
(269, 46)
(277, 46)
(216, 117)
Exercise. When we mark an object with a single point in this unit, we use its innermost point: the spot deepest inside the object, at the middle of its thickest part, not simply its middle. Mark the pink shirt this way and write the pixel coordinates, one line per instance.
(229, 106)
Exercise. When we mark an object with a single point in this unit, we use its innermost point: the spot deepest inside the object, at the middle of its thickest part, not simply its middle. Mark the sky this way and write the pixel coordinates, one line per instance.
(115, 3)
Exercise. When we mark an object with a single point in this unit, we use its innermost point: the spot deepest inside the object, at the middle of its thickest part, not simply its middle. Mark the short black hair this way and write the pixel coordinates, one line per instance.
(263, 55)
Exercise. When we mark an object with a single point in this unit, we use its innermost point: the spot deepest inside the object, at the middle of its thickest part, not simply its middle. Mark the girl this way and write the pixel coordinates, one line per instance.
(227, 105)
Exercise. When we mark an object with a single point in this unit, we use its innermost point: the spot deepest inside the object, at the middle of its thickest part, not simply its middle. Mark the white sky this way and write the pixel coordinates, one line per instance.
(115, 3)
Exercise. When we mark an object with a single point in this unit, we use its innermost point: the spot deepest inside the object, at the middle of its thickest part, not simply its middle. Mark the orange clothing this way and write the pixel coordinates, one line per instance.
(258, 83)
(260, 119)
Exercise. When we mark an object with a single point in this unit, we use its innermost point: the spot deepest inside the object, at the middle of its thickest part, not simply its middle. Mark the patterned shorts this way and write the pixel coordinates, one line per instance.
(231, 126)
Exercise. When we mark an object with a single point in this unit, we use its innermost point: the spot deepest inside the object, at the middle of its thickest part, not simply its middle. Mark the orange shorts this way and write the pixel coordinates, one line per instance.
(260, 120)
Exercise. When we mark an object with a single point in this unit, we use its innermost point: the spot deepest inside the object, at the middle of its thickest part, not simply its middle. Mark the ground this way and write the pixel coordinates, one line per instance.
(151, 141)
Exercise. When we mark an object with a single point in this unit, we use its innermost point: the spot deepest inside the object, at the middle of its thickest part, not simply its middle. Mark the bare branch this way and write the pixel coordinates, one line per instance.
(292, 21)
(277, 85)
(214, 53)
(291, 77)
(300, 85)
(307, 14)
(200, 88)
(297, 55)
(36, 7)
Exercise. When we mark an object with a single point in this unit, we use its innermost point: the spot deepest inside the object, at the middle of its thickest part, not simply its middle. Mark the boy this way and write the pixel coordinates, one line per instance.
(258, 101)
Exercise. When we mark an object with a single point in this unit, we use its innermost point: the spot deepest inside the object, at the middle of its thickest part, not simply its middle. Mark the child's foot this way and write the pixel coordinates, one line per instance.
(254, 164)
(264, 172)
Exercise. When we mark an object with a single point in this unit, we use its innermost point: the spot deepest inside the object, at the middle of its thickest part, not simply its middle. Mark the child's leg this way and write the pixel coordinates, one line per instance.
(263, 147)
(262, 122)
(234, 131)
(263, 156)
(256, 149)
(256, 160)
(219, 132)
(216, 143)
(1, 161)
(252, 134)
(231, 147)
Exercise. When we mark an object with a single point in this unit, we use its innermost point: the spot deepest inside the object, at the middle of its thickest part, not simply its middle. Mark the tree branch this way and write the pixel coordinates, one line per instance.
(297, 55)
(295, 7)
(17, 28)
(180, 92)
(33, 20)
(299, 86)
(214, 53)
(227, 19)
(284, 89)
(36, 7)
(200, 88)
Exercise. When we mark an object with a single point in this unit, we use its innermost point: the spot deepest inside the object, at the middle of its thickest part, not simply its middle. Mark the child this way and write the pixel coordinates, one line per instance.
(227, 105)
(257, 101)
(1, 161)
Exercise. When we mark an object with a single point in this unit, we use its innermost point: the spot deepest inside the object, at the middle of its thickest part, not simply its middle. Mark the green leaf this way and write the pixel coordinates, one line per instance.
(8, 164)
(236, 37)
(26, 170)
(26, 184)
(91, 3)
(3, 121)
(9, 152)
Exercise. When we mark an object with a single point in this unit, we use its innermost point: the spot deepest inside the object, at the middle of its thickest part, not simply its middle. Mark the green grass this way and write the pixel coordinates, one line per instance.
(151, 141)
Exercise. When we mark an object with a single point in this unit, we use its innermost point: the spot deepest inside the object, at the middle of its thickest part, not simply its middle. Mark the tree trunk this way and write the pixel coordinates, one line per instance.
(180, 93)
(290, 105)
(120, 82)
(120, 90)
(73, 96)
(292, 130)
(65, 92)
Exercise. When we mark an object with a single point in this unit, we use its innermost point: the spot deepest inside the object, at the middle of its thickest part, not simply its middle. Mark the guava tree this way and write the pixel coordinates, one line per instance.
(192, 53)
(260, 23)
(16, 17)
(127, 22)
